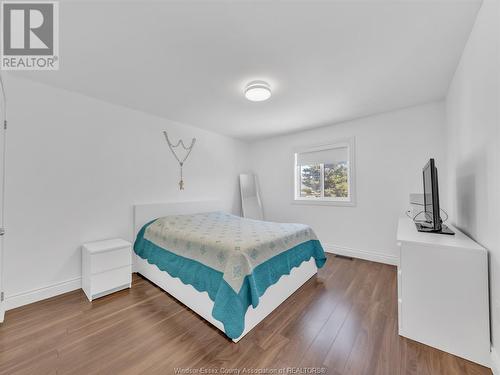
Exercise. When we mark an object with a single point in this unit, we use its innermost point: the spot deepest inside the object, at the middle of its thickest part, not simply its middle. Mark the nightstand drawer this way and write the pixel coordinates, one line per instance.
(111, 259)
(110, 280)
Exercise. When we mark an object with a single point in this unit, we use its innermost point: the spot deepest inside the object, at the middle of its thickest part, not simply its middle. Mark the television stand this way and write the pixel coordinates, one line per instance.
(444, 229)
(443, 292)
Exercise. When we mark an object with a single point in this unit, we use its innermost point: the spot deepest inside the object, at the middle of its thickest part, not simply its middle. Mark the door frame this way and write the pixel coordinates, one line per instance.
(3, 143)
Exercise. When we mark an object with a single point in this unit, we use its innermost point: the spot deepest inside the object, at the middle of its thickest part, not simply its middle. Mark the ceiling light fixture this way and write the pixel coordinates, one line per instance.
(258, 91)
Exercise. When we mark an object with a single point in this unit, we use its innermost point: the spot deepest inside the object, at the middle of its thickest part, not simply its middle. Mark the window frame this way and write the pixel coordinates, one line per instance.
(351, 175)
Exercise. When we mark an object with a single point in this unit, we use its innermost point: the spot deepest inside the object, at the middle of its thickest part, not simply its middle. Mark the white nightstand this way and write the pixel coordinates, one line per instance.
(106, 267)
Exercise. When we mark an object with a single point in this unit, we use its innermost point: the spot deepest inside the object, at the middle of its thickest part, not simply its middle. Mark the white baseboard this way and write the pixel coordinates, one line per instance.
(373, 256)
(35, 295)
(495, 362)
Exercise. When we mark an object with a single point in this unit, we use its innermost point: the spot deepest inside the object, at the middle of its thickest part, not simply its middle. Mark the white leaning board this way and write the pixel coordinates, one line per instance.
(443, 292)
(200, 302)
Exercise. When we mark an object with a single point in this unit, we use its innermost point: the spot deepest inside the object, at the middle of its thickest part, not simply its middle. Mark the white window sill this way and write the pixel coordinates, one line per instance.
(323, 202)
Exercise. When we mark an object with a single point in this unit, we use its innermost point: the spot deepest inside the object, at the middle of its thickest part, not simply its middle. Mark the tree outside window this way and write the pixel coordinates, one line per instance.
(335, 180)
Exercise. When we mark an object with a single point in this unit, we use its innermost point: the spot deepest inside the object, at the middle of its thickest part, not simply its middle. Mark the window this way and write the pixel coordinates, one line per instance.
(324, 174)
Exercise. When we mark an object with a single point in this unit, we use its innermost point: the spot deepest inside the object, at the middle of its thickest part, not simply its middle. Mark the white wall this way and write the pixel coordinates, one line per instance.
(391, 150)
(75, 167)
(473, 121)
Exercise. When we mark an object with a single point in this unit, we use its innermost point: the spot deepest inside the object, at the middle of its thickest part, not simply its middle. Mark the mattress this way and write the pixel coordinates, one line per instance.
(231, 258)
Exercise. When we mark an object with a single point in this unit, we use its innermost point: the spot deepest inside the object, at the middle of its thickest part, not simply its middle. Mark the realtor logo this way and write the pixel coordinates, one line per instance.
(30, 39)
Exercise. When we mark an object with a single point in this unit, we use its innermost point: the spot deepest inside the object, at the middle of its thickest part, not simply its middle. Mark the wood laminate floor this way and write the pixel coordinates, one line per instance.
(344, 320)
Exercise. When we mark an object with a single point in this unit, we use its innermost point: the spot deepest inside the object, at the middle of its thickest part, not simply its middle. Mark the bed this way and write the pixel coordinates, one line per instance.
(231, 271)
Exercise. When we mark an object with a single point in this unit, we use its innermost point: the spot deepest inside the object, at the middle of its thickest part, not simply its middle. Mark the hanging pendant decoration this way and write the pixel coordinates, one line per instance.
(181, 161)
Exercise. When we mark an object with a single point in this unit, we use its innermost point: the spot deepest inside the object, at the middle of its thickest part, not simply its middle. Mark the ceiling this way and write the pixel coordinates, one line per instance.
(327, 61)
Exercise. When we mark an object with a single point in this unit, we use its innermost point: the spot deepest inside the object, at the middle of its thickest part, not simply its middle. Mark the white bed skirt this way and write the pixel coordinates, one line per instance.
(201, 304)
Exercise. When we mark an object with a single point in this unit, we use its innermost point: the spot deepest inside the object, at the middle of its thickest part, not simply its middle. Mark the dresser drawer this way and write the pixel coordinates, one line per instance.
(111, 259)
(111, 280)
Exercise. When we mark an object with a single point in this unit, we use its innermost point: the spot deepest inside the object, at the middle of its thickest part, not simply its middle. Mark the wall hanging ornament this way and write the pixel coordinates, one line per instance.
(181, 161)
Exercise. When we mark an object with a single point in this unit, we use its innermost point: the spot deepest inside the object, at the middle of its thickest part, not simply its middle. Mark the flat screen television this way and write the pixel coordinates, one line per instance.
(433, 222)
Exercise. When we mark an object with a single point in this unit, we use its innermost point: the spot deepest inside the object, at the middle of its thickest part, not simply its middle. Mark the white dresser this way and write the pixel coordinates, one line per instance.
(443, 292)
(106, 267)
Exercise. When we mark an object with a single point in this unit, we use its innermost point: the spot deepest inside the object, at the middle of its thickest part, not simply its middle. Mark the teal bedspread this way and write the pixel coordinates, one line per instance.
(233, 259)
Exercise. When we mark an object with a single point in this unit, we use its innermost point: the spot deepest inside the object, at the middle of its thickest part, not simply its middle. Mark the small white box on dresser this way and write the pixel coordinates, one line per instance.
(106, 267)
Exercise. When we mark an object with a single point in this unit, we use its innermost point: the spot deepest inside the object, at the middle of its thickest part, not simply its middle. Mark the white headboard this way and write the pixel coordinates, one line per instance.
(143, 213)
